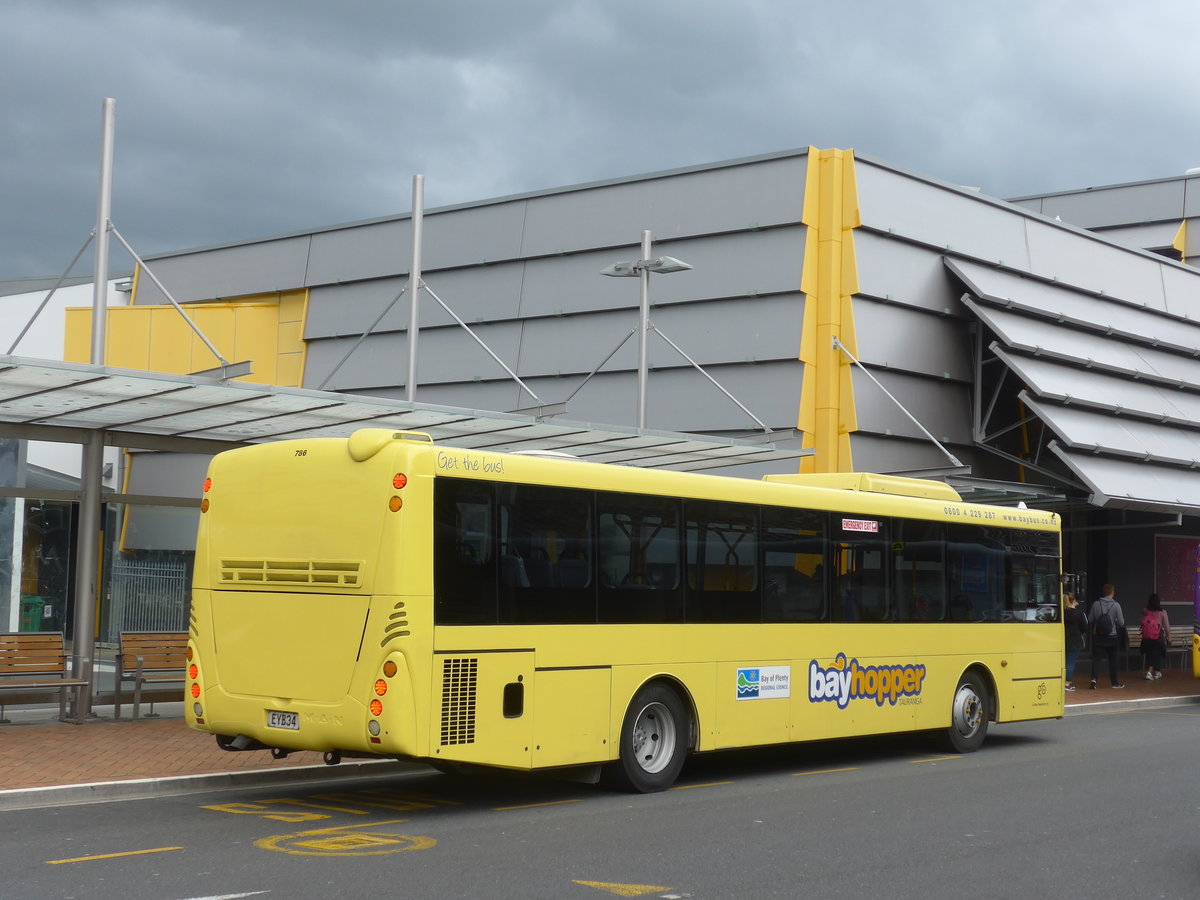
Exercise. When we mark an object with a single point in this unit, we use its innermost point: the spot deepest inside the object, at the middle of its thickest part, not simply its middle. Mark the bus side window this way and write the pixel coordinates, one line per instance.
(464, 567)
(860, 570)
(638, 549)
(794, 548)
(918, 571)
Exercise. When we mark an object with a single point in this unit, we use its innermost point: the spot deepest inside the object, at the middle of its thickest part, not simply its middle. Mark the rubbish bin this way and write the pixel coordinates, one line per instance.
(31, 612)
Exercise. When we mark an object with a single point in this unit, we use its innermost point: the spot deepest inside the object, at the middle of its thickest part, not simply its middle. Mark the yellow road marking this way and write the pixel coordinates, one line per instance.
(688, 787)
(623, 890)
(534, 805)
(55, 862)
(934, 759)
(828, 771)
(346, 840)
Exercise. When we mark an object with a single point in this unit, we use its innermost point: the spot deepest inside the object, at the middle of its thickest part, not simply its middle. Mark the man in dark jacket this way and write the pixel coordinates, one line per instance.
(1108, 624)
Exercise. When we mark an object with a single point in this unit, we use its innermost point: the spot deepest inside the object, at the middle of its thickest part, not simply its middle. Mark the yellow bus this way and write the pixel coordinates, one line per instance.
(382, 595)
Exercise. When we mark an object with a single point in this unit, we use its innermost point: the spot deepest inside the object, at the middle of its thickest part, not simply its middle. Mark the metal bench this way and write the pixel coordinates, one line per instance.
(148, 658)
(1180, 646)
(34, 663)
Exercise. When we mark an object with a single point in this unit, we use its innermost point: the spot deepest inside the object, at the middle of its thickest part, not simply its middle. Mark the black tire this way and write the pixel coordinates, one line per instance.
(654, 742)
(969, 712)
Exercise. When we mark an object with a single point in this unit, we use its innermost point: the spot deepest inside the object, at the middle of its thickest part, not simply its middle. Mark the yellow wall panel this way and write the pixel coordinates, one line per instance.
(267, 329)
(290, 369)
(129, 343)
(77, 339)
(293, 306)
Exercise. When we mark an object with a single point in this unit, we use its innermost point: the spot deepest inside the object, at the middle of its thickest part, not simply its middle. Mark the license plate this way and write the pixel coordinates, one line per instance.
(278, 719)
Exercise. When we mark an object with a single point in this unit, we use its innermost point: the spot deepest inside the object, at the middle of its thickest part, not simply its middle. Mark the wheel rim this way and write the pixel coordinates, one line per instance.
(968, 711)
(653, 738)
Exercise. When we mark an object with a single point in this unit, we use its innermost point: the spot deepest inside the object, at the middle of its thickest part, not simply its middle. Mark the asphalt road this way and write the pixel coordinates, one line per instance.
(1092, 806)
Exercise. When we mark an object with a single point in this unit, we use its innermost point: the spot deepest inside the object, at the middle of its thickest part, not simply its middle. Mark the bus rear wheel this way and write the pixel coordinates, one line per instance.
(654, 742)
(968, 714)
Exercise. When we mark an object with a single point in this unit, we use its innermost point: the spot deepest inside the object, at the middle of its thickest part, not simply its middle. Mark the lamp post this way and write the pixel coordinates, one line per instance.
(642, 269)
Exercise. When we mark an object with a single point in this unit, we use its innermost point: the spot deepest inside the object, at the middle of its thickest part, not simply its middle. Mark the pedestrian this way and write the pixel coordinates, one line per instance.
(1107, 626)
(1075, 626)
(1156, 636)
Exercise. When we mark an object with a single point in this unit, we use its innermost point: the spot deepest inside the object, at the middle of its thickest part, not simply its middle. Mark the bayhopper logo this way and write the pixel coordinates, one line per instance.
(846, 680)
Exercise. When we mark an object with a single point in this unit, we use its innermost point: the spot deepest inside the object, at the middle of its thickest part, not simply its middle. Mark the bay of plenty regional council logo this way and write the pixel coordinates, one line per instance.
(764, 682)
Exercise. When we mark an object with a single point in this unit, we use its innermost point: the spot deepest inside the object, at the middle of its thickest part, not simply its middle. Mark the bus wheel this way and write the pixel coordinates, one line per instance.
(653, 742)
(968, 715)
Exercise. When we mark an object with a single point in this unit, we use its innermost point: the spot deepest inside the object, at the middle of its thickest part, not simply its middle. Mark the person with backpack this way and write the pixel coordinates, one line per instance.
(1156, 635)
(1108, 625)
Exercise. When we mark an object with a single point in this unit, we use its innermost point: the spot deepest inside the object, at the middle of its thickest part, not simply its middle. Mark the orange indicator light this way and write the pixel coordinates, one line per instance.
(389, 668)
(380, 687)
(376, 707)
(399, 480)
(207, 485)
(195, 691)
(204, 505)
(394, 504)
(193, 671)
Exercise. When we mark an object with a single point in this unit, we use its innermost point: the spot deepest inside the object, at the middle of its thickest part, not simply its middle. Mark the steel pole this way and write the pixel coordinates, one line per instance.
(87, 546)
(414, 285)
(643, 328)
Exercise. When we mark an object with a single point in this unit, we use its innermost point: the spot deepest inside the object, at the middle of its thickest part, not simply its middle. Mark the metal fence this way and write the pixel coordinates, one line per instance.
(149, 595)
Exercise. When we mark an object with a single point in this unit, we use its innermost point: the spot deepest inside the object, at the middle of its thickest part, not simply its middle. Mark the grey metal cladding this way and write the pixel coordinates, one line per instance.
(1075, 385)
(895, 337)
(379, 361)
(943, 407)
(726, 198)
(940, 215)
(880, 453)
(1039, 337)
(256, 268)
(1144, 202)
(1143, 486)
(444, 355)
(1055, 302)
(729, 265)
(455, 237)
(167, 475)
(159, 528)
(1113, 435)
(684, 398)
(903, 272)
(1092, 263)
(1152, 235)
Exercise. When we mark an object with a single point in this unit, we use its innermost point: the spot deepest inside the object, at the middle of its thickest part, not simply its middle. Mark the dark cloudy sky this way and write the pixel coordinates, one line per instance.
(245, 118)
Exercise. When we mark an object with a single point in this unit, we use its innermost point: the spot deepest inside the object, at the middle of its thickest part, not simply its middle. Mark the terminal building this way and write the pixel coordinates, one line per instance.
(834, 313)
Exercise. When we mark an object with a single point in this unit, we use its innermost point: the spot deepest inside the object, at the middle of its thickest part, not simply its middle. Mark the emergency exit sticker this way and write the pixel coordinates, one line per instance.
(866, 525)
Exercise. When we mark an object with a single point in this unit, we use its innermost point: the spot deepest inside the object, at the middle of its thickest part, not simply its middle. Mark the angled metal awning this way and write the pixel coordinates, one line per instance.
(1116, 384)
(49, 400)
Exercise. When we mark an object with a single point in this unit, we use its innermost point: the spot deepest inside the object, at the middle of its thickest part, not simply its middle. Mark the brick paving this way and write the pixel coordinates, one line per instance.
(38, 751)
(41, 754)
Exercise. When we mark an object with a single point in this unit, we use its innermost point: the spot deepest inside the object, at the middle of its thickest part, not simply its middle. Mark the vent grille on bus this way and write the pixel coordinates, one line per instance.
(193, 623)
(458, 700)
(397, 626)
(315, 572)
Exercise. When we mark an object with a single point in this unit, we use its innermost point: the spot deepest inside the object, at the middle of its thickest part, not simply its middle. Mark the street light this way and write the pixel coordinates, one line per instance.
(641, 269)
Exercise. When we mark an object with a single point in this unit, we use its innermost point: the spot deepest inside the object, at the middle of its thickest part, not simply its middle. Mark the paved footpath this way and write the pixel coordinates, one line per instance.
(44, 762)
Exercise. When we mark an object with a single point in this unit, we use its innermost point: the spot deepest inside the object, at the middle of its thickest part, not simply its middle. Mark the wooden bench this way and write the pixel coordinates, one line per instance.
(1181, 645)
(35, 663)
(148, 658)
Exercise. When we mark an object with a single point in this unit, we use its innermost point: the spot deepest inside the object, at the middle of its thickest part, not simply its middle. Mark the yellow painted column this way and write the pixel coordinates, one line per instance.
(828, 280)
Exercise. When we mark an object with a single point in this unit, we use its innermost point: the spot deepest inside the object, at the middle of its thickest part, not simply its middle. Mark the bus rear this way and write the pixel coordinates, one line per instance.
(301, 599)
